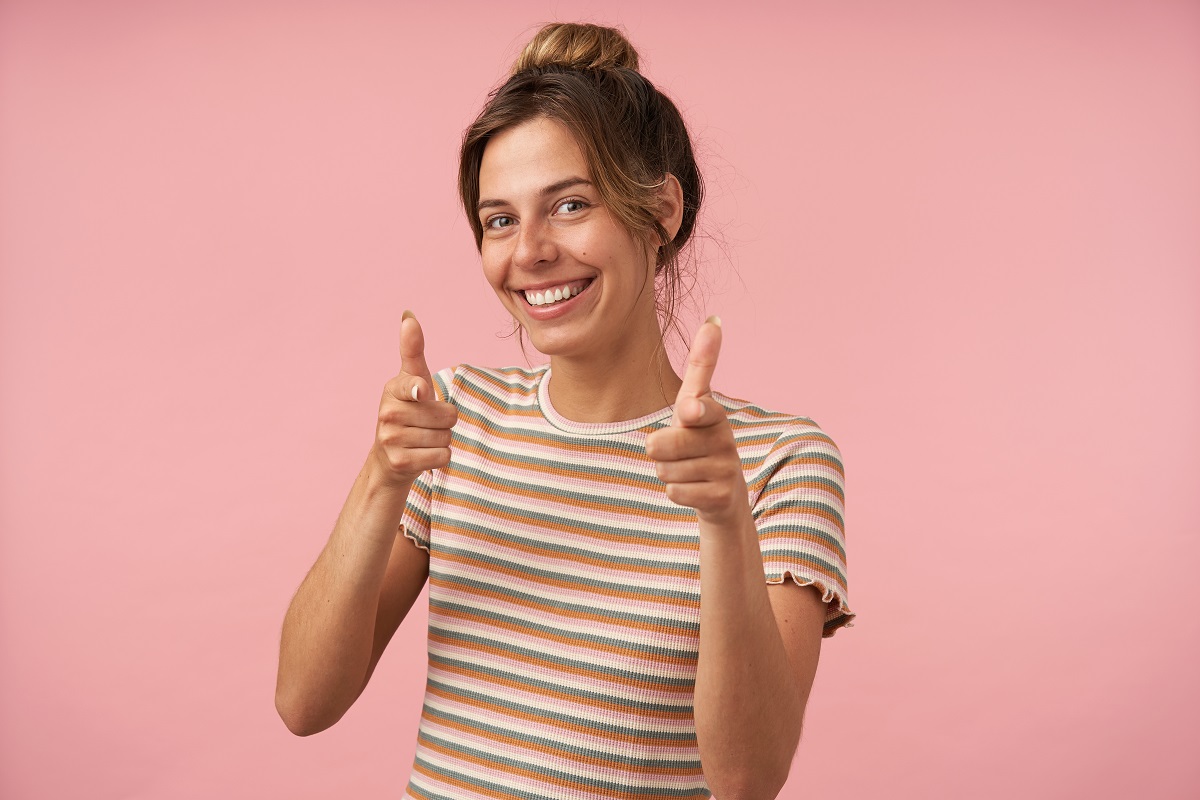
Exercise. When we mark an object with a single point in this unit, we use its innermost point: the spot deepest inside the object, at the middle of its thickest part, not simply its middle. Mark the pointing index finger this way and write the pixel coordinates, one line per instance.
(701, 362)
(412, 351)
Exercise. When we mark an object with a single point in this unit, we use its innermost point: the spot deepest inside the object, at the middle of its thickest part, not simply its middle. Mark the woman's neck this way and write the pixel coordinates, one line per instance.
(613, 389)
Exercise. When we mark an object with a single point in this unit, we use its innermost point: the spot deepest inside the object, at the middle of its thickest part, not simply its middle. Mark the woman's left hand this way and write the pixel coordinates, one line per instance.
(696, 456)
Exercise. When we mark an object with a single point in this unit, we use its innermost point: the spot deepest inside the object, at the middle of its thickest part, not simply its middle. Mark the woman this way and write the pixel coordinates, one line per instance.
(607, 544)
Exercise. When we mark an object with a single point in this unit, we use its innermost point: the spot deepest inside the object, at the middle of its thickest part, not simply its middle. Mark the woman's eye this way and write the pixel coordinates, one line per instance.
(570, 206)
(498, 221)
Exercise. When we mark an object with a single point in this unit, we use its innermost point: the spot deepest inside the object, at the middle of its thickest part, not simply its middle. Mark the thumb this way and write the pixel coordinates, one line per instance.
(412, 355)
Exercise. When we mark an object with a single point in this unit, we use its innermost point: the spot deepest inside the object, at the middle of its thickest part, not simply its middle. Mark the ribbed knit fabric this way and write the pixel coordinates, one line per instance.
(564, 591)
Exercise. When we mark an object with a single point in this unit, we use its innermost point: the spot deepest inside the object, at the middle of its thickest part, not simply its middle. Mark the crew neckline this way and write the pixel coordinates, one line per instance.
(557, 420)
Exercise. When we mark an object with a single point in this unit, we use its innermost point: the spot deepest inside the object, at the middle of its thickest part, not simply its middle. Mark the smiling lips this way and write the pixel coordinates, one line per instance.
(555, 294)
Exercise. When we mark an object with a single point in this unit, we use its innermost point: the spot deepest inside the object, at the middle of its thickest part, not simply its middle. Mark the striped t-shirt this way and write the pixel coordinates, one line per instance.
(564, 591)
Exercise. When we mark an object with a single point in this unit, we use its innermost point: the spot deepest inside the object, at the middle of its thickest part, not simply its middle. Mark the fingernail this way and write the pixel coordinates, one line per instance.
(715, 320)
(408, 314)
(414, 392)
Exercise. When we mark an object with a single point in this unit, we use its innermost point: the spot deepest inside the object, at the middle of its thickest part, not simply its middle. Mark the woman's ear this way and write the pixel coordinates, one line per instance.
(670, 208)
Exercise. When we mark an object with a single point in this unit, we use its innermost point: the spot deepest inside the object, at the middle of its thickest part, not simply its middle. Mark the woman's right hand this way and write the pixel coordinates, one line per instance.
(413, 431)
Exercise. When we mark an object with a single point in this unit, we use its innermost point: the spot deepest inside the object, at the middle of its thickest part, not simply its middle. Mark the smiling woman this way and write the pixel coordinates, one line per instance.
(547, 233)
(629, 573)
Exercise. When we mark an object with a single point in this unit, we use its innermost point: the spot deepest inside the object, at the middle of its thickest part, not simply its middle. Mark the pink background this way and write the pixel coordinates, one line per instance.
(963, 237)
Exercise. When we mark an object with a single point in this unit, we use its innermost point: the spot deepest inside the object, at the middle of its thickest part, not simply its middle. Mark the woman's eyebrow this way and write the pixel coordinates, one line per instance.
(553, 188)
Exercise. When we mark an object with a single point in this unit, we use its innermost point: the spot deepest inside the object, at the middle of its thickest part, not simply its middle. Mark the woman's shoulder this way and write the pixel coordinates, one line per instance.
(493, 382)
(754, 423)
(745, 413)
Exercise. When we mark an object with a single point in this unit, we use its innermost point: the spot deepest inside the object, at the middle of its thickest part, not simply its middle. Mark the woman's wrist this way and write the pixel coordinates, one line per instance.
(733, 525)
(380, 483)
(377, 501)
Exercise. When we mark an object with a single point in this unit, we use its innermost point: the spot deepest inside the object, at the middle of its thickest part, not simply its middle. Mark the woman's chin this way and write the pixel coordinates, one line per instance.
(550, 346)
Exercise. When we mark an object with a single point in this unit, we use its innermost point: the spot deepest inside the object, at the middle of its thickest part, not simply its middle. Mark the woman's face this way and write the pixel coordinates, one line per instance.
(578, 282)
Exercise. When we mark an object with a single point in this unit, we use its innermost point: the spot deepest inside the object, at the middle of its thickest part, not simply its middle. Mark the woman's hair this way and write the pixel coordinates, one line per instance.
(586, 77)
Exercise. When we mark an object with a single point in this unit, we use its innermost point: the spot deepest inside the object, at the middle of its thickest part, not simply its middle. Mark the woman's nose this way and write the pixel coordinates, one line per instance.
(535, 245)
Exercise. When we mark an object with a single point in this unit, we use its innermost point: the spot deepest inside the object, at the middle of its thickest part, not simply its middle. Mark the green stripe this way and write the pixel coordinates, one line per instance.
(808, 558)
(687, 567)
(788, 528)
(501, 790)
(779, 504)
(687, 737)
(496, 789)
(745, 406)
(811, 455)
(554, 439)
(582, 695)
(609, 786)
(470, 639)
(828, 484)
(579, 638)
(530, 572)
(615, 759)
(485, 493)
(679, 627)
(441, 383)
(507, 386)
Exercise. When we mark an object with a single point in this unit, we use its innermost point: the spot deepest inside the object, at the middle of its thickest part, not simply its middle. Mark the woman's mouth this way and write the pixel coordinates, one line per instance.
(550, 295)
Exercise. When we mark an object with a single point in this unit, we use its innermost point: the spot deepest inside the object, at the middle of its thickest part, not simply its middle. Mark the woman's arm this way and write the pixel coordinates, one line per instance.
(367, 577)
(758, 646)
(346, 610)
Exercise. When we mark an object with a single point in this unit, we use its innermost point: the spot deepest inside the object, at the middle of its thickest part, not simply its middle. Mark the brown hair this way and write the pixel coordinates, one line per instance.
(632, 135)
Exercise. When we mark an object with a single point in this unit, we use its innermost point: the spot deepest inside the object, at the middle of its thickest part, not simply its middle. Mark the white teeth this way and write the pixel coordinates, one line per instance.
(549, 296)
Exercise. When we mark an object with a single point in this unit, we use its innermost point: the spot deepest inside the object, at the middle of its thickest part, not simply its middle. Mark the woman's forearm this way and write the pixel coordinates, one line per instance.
(329, 629)
(748, 702)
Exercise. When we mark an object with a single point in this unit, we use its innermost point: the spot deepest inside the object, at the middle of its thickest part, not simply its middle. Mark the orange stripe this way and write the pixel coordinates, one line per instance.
(615, 736)
(572, 669)
(498, 594)
(829, 515)
(461, 784)
(643, 793)
(600, 506)
(575, 558)
(633, 593)
(493, 456)
(595, 761)
(632, 651)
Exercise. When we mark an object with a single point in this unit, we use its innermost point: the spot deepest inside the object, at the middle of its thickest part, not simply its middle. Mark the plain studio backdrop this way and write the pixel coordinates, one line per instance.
(962, 237)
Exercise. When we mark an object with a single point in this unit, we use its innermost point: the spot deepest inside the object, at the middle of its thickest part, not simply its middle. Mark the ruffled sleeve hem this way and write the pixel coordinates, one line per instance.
(412, 537)
(838, 613)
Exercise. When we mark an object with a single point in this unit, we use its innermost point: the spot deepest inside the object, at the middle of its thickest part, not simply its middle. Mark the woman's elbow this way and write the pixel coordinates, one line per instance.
(298, 717)
(759, 777)
(749, 784)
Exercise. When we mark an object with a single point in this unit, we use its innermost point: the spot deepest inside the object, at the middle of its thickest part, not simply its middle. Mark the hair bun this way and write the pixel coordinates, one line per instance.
(577, 46)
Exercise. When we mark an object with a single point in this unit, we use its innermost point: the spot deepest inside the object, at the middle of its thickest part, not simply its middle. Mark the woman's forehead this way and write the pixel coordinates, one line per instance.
(530, 156)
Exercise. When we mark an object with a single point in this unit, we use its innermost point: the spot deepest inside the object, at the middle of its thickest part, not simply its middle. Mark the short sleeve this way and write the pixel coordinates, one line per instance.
(415, 523)
(799, 512)
(418, 512)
